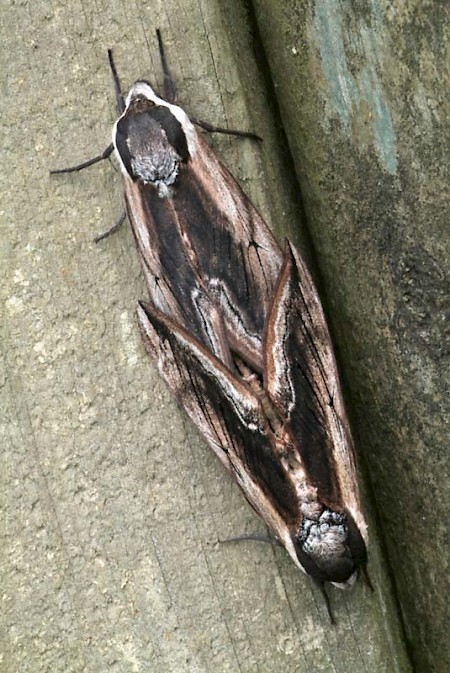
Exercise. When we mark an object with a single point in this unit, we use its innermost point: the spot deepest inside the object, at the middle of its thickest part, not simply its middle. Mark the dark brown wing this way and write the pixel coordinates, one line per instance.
(301, 377)
(237, 254)
(228, 415)
(173, 282)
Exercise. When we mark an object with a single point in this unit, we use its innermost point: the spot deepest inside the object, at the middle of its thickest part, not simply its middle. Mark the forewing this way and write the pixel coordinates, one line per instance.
(238, 255)
(226, 412)
(301, 377)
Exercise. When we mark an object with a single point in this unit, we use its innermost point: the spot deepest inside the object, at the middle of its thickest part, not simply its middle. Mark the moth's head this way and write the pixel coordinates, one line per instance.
(329, 546)
(142, 90)
(152, 139)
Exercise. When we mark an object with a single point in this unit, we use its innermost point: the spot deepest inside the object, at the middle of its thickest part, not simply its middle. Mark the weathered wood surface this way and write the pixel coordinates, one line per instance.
(113, 506)
(363, 95)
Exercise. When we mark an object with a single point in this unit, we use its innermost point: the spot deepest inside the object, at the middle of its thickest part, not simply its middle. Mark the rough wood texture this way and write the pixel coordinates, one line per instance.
(365, 107)
(113, 506)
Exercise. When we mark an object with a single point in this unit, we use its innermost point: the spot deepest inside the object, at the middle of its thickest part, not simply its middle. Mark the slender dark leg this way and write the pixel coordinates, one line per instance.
(219, 129)
(104, 155)
(119, 97)
(367, 578)
(169, 86)
(270, 539)
(170, 95)
(116, 226)
(322, 588)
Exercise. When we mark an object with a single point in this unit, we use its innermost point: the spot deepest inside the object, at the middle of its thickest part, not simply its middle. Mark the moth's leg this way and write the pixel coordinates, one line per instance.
(72, 169)
(322, 588)
(269, 539)
(365, 572)
(170, 95)
(219, 129)
(169, 86)
(119, 96)
(116, 226)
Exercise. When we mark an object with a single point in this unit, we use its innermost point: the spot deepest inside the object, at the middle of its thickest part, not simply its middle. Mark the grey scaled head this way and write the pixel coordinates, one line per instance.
(329, 546)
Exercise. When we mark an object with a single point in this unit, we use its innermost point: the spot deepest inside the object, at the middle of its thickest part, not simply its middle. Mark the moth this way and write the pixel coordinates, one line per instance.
(237, 331)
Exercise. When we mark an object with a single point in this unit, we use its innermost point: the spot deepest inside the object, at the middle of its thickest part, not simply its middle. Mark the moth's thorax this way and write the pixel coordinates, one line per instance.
(152, 139)
(329, 545)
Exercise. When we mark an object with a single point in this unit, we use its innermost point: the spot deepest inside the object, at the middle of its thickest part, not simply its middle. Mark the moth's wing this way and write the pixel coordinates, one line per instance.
(239, 258)
(227, 413)
(301, 377)
(172, 280)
